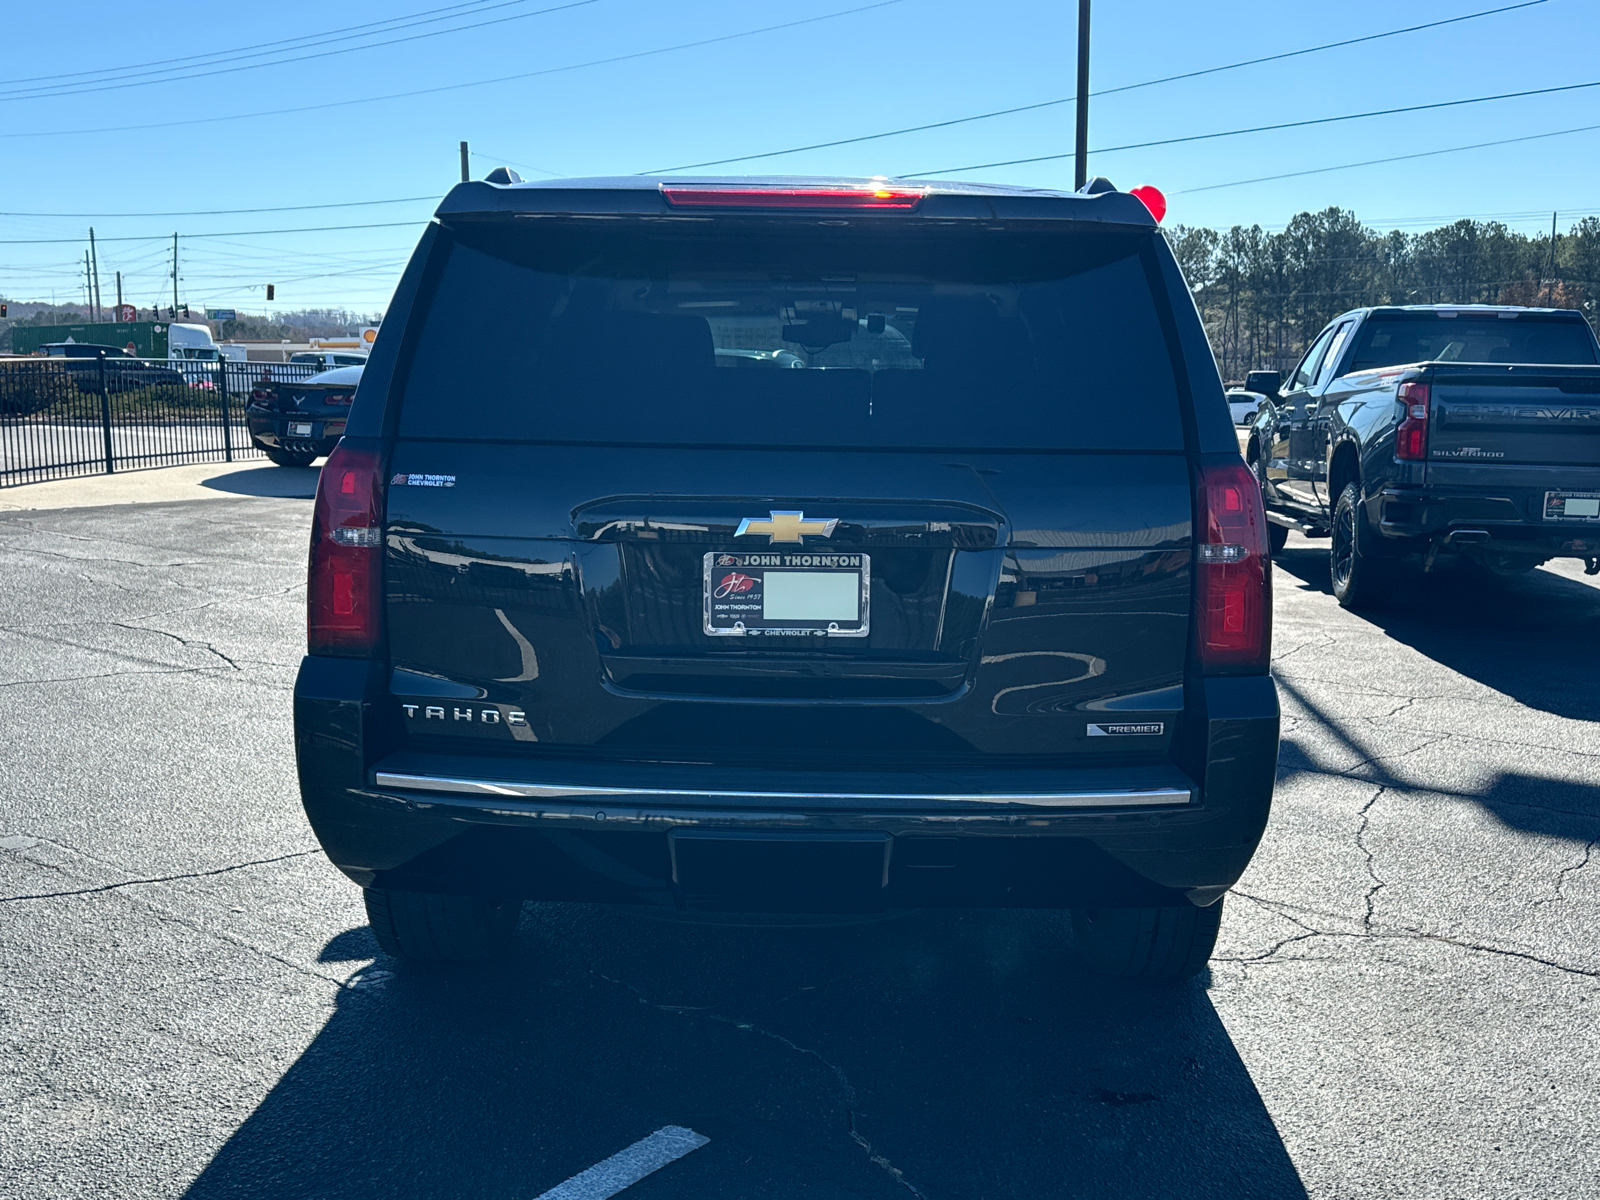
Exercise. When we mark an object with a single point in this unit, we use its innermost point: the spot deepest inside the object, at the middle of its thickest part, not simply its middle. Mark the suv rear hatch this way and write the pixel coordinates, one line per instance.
(808, 493)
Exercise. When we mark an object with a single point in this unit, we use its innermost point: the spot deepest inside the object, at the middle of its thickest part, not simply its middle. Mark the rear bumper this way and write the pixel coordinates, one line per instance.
(271, 429)
(560, 830)
(1512, 521)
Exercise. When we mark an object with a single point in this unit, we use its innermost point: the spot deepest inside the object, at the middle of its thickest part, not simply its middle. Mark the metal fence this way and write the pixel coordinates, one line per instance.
(64, 417)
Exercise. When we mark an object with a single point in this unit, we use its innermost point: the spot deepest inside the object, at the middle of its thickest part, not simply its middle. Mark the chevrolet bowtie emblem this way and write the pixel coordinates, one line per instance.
(786, 527)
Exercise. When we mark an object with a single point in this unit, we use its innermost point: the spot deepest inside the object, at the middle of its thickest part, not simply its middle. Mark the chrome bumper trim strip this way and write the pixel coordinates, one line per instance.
(1119, 798)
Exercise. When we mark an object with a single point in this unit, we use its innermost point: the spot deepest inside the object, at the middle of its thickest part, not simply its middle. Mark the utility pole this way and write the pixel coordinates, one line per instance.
(1081, 171)
(174, 276)
(1550, 274)
(119, 295)
(88, 286)
(466, 171)
(94, 257)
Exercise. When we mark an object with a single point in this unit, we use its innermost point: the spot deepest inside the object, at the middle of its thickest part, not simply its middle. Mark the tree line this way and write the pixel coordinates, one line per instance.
(1263, 296)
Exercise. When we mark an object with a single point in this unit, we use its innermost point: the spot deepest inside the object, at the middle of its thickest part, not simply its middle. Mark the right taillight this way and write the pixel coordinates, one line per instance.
(1233, 590)
(344, 594)
(1411, 438)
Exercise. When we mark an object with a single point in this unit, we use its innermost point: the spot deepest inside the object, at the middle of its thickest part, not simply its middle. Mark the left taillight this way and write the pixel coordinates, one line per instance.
(1233, 587)
(344, 595)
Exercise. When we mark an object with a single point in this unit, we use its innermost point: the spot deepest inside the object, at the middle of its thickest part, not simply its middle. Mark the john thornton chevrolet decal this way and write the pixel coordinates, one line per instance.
(423, 481)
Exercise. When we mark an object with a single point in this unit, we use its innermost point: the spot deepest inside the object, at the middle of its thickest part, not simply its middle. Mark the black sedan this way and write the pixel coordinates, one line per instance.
(294, 423)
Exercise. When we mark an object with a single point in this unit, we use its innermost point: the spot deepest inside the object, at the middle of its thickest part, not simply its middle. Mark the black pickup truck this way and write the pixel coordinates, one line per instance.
(1428, 434)
(918, 619)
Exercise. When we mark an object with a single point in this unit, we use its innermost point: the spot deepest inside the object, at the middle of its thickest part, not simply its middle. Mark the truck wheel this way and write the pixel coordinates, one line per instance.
(1360, 580)
(1277, 535)
(289, 458)
(432, 927)
(1146, 943)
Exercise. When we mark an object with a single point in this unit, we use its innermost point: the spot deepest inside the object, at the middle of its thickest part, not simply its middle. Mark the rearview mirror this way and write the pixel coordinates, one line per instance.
(1265, 382)
(820, 332)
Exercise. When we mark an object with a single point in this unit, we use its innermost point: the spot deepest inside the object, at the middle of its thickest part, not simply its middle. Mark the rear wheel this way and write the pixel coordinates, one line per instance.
(289, 458)
(432, 927)
(1146, 943)
(1360, 579)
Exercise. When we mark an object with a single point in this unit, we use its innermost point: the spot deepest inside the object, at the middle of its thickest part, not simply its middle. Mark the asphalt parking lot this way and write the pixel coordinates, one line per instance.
(1403, 1004)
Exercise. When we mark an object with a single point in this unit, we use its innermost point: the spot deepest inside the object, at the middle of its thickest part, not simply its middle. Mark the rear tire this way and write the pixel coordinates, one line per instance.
(1360, 579)
(1146, 943)
(433, 927)
(289, 458)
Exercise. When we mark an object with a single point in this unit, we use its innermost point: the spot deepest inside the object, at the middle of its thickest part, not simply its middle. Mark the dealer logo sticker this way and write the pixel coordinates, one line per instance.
(1129, 729)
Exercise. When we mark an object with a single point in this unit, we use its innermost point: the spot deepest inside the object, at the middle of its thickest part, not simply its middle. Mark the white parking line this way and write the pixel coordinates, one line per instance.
(626, 1167)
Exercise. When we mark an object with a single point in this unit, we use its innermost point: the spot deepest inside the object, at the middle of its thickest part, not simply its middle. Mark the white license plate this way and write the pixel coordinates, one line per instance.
(1572, 506)
(299, 428)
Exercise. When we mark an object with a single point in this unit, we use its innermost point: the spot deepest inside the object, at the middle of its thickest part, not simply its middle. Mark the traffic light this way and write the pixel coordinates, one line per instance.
(185, 312)
(172, 313)
(2, 310)
(271, 291)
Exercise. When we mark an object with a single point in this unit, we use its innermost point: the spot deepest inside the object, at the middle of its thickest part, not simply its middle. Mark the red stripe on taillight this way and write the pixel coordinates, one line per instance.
(344, 596)
(1233, 589)
(886, 197)
(1411, 438)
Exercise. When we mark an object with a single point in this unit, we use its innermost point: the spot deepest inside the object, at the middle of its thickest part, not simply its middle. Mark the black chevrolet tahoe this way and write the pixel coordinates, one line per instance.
(1424, 435)
(966, 605)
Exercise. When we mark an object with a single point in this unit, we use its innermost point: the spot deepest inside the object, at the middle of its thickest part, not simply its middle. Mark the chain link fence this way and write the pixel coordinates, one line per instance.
(66, 417)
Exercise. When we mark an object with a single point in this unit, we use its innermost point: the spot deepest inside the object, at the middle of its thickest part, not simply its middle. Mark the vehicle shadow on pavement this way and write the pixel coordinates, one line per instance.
(937, 1054)
(292, 483)
(1533, 637)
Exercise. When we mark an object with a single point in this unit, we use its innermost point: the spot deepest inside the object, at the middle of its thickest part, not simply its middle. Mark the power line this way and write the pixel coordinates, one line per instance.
(1372, 162)
(1128, 87)
(161, 237)
(367, 28)
(1205, 137)
(455, 87)
(496, 158)
(41, 94)
(231, 212)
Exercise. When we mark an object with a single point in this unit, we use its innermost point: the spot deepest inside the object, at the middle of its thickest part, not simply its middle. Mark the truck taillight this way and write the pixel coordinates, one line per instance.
(1233, 585)
(1411, 438)
(344, 594)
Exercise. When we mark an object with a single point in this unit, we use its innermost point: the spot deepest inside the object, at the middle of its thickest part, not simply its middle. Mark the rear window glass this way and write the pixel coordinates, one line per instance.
(1475, 338)
(815, 337)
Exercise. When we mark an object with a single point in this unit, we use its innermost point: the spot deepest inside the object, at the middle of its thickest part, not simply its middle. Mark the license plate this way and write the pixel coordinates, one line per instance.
(787, 593)
(299, 428)
(1572, 506)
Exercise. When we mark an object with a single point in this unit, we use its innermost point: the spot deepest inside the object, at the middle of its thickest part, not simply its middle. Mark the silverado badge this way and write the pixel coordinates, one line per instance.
(786, 527)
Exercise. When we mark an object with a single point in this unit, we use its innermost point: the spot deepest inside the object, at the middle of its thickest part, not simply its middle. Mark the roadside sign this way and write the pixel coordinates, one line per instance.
(127, 313)
(221, 314)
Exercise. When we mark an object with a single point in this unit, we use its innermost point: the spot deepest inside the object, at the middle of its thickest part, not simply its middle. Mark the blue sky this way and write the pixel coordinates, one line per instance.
(908, 62)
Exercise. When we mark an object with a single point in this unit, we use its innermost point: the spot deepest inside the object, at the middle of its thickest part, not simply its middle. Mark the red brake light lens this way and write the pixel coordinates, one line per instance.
(1411, 437)
(339, 397)
(888, 197)
(344, 600)
(1233, 592)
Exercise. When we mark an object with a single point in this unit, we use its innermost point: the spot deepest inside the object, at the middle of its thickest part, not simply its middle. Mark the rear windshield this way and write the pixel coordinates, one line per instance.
(1473, 337)
(815, 337)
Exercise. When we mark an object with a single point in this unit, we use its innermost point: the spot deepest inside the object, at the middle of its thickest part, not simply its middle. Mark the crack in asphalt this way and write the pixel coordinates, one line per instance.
(1561, 876)
(1361, 844)
(108, 675)
(182, 641)
(846, 1088)
(1412, 934)
(111, 887)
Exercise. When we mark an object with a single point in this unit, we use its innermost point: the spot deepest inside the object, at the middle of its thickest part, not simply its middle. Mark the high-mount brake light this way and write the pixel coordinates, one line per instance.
(1233, 589)
(344, 595)
(1411, 437)
(887, 197)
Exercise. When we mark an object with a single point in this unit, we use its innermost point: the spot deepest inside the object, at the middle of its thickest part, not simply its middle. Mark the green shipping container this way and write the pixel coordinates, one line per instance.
(149, 338)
